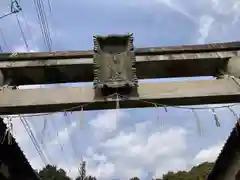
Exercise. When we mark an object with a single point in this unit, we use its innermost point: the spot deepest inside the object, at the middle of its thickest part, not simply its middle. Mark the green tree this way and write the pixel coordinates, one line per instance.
(135, 178)
(199, 172)
(86, 178)
(52, 173)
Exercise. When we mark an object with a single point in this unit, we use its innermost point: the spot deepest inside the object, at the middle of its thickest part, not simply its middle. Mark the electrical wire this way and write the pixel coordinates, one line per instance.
(40, 23)
(5, 15)
(50, 7)
(43, 147)
(28, 27)
(43, 23)
(22, 32)
(58, 141)
(72, 144)
(4, 40)
(45, 20)
(30, 134)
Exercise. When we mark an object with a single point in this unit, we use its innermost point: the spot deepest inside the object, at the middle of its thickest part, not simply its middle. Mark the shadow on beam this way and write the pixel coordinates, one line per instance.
(156, 62)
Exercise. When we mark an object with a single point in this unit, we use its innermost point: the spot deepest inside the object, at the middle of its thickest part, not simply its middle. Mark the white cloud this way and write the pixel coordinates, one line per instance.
(209, 154)
(206, 22)
(129, 154)
(236, 10)
(62, 135)
(36, 163)
(23, 48)
(143, 150)
(95, 156)
(176, 7)
(104, 170)
(225, 7)
(218, 21)
(175, 164)
(107, 121)
(18, 130)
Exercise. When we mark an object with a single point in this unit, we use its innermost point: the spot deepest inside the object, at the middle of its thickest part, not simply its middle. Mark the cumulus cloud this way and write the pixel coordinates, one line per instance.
(205, 26)
(209, 154)
(219, 22)
(145, 150)
(107, 122)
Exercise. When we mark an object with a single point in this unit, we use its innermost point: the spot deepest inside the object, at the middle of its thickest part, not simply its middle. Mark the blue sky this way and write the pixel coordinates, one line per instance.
(125, 143)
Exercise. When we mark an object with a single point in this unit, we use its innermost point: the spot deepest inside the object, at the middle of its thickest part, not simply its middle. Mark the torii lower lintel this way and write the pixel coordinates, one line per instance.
(42, 100)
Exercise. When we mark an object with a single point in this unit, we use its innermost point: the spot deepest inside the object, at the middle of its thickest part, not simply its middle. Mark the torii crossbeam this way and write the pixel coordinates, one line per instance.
(175, 93)
(155, 62)
(59, 67)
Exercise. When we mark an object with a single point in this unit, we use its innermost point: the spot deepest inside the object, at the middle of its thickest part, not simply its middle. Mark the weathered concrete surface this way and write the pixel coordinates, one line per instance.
(215, 47)
(233, 66)
(174, 93)
(154, 62)
(25, 72)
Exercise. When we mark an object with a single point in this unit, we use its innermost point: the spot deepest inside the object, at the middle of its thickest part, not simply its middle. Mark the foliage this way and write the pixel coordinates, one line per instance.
(52, 173)
(199, 172)
(87, 178)
(135, 178)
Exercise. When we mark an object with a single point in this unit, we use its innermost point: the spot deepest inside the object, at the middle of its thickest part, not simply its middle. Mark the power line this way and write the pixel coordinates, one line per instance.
(43, 146)
(40, 23)
(58, 141)
(22, 32)
(71, 142)
(49, 7)
(43, 23)
(27, 25)
(42, 9)
(47, 24)
(30, 134)
(3, 38)
(15, 8)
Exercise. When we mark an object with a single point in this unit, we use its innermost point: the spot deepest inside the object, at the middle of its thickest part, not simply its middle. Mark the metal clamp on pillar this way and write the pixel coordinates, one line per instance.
(114, 65)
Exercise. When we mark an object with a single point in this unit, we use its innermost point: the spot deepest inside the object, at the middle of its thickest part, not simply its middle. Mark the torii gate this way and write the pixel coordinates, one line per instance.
(158, 62)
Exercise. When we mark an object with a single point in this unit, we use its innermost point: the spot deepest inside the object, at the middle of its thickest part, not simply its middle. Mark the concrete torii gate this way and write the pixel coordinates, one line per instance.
(158, 62)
